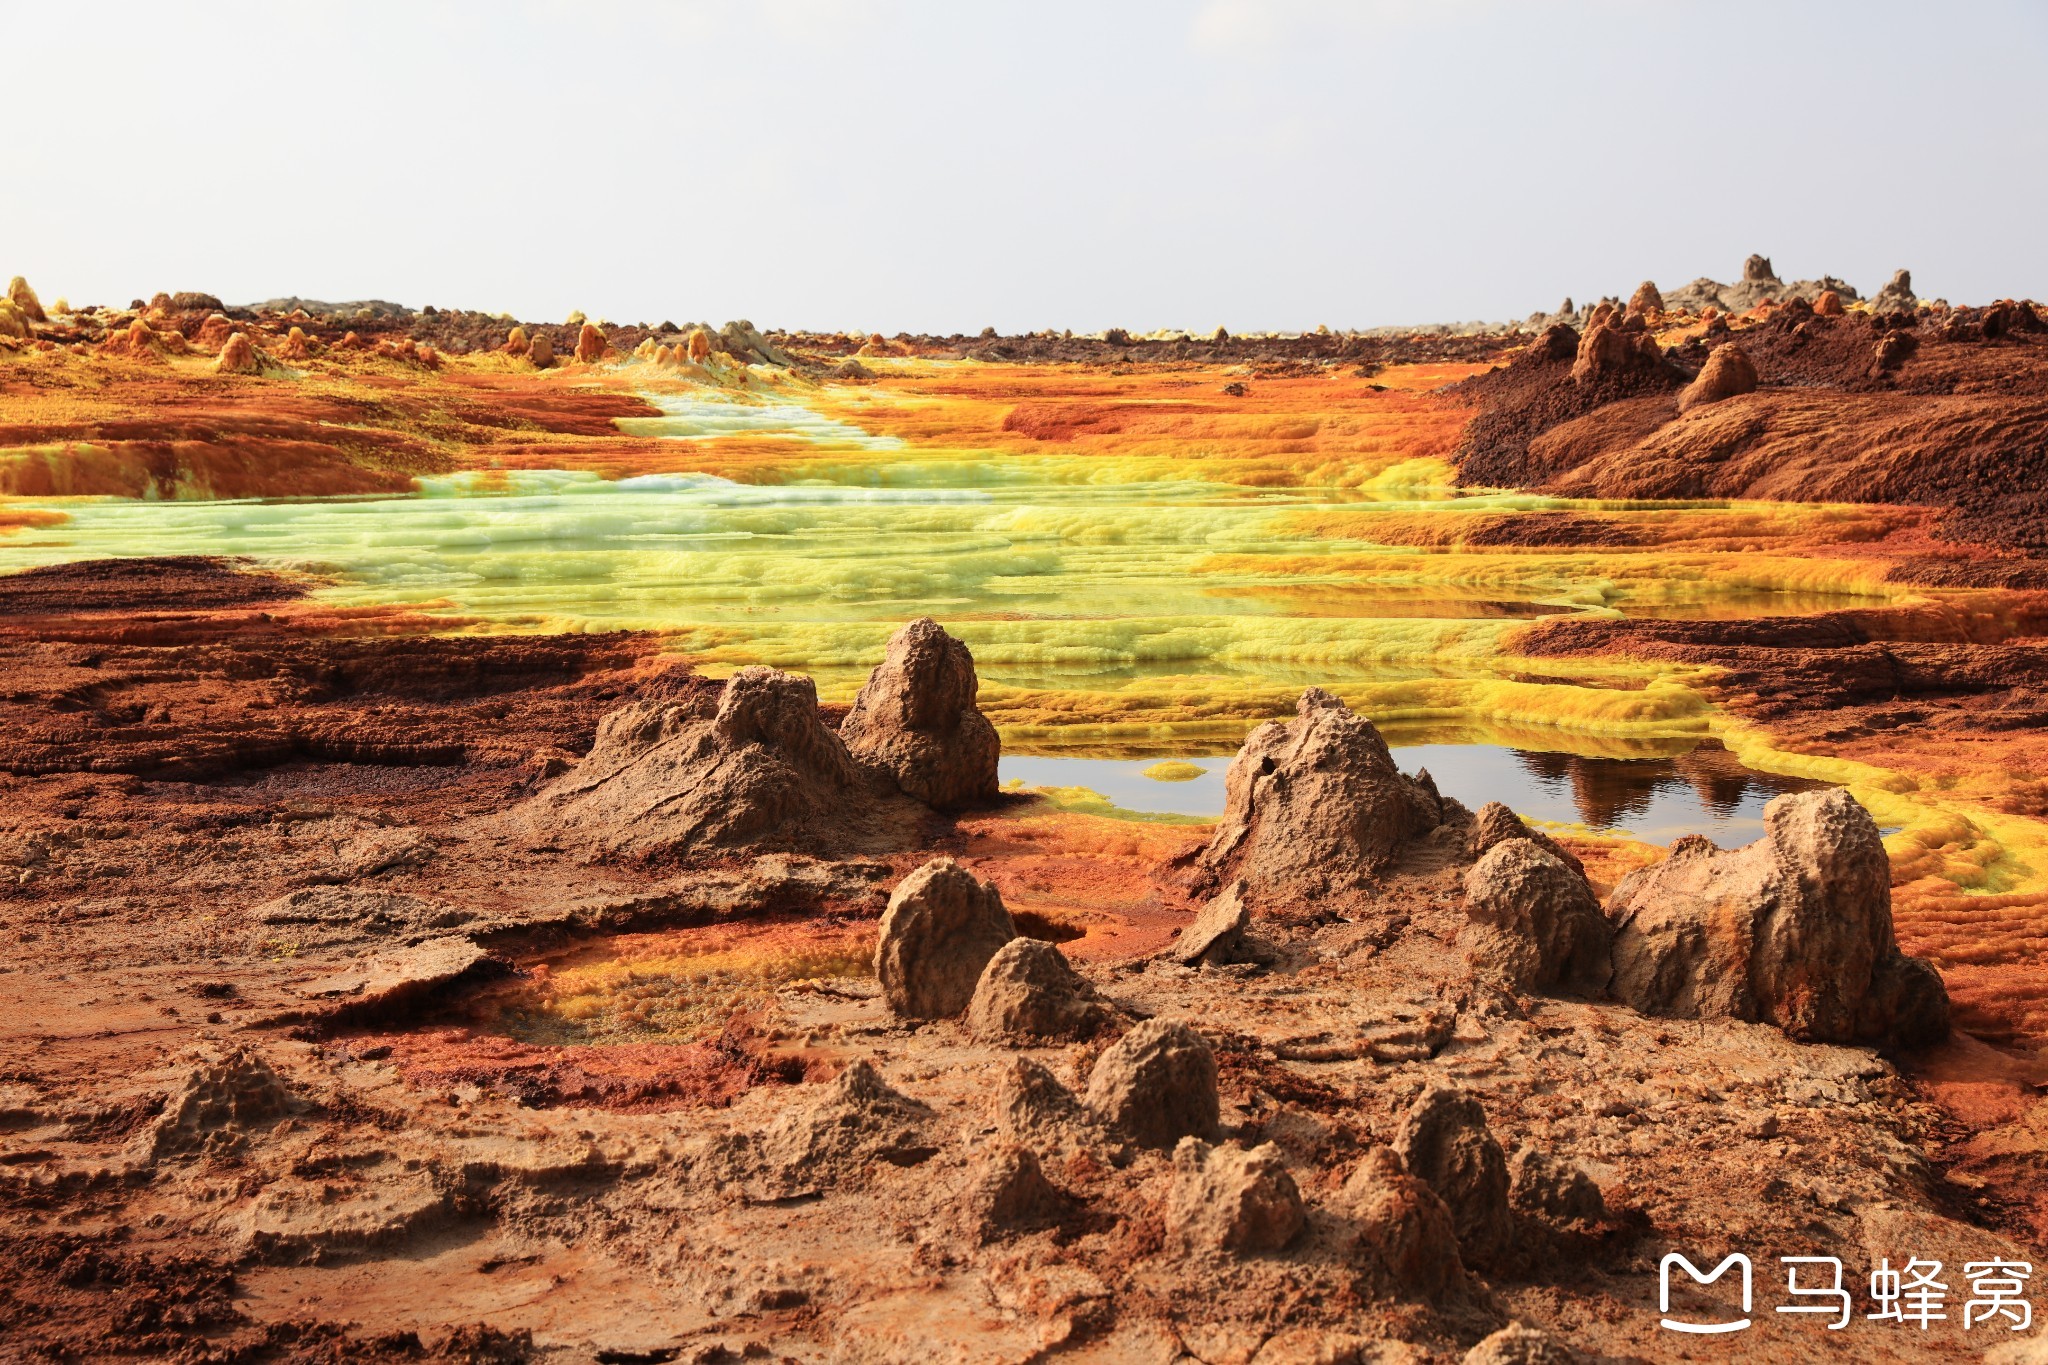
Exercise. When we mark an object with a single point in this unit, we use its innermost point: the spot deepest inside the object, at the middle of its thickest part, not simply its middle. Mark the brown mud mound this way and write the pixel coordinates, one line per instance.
(1444, 1141)
(939, 934)
(753, 766)
(1156, 1084)
(1535, 921)
(1727, 373)
(1794, 930)
(916, 720)
(1316, 812)
(1227, 1199)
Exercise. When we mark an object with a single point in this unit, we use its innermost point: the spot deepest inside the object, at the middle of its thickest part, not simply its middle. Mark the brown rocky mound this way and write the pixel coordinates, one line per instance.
(1495, 823)
(1156, 1085)
(916, 720)
(857, 1119)
(1445, 1142)
(1728, 372)
(238, 355)
(1028, 992)
(938, 935)
(756, 768)
(1232, 1200)
(1895, 407)
(1315, 809)
(1896, 296)
(1404, 1242)
(1793, 930)
(1613, 348)
(1535, 921)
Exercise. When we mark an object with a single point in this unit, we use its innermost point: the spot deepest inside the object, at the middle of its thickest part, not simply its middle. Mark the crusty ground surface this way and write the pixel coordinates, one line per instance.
(445, 1183)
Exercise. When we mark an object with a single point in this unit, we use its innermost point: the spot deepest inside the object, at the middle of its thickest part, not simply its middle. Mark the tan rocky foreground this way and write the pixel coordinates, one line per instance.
(1396, 1115)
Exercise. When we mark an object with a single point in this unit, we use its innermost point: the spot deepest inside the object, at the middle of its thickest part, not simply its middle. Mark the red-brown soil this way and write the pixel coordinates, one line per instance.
(1961, 423)
(192, 744)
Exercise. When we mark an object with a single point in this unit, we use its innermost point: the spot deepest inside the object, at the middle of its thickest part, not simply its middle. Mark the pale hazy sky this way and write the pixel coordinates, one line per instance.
(945, 164)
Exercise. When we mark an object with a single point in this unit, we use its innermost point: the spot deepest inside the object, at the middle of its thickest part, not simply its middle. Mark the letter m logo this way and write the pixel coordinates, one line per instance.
(1701, 1277)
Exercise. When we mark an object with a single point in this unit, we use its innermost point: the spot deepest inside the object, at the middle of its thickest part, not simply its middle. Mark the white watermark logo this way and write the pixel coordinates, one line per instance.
(1664, 1292)
(1915, 1295)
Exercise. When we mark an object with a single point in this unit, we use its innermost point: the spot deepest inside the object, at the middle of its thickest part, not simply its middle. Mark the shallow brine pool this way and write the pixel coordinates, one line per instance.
(1655, 799)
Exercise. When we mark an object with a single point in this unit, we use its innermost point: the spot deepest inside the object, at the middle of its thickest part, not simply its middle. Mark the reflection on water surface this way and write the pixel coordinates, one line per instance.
(1657, 799)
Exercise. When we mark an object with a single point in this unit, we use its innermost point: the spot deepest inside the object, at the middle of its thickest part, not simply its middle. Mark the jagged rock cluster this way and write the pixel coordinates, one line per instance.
(916, 719)
(1794, 930)
(1316, 813)
(1757, 284)
(756, 766)
(947, 946)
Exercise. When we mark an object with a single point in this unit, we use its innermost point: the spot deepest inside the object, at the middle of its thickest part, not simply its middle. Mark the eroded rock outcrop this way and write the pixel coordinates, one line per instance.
(1444, 1141)
(1403, 1241)
(1496, 822)
(1228, 1199)
(1759, 283)
(916, 720)
(541, 351)
(238, 355)
(1609, 349)
(1727, 373)
(754, 767)
(1032, 1106)
(1029, 993)
(137, 342)
(1008, 1192)
(1897, 295)
(1557, 341)
(1314, 808)
(1217, 935)
(1156, 1085)
(214, 331)
(590, 344)
(22, 296)
(858, 1118)
(1535, 921)
(224, 1097)
(942, 928)
(14, 323)
(1793, 930)
(744, 342)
